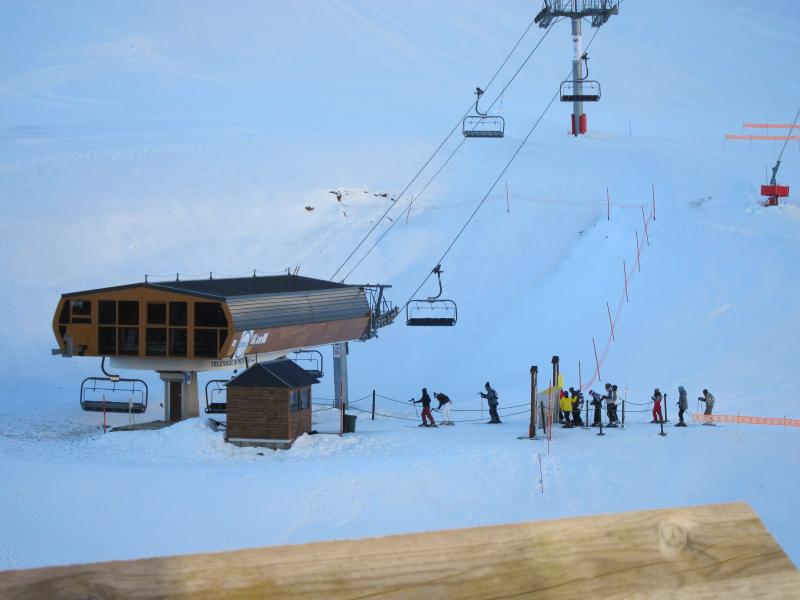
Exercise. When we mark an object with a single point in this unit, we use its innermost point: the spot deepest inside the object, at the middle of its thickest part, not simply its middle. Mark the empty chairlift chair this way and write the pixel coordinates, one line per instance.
(114, 395)
(582, 90)
(432, 311)
(216, 397)
(311, 361)
(482, 125)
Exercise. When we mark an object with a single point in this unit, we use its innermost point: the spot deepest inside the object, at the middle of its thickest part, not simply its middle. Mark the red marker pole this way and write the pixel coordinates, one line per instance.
(610, 322)
(596, 361)
(625, 272)
(644, 220)
(638, 262)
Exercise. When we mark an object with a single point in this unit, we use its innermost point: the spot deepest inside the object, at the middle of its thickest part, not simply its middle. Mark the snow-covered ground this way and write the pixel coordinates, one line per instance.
(168, 140)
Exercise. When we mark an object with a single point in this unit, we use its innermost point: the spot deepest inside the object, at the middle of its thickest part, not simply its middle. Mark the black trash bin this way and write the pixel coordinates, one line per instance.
(350, 423)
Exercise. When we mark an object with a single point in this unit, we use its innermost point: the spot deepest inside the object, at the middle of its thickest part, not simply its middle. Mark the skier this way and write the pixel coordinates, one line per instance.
(683, 405)
(577, 405)
(425, 400)
(597, 403)
(444, 406)
(611, 404)
(657, 398)
(708, 399)
(566, 409)
(491, 398)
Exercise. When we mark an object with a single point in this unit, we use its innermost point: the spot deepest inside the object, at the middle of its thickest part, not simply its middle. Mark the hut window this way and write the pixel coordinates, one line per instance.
(295, 405)
(128, 339)
(209, 314)
(177, 314)
(305, 399)
(63, 319)
(128, 312)
(81, 311)
(177, 341)
(156, 340)
(107, 340)
(107, 311)
(157, 313)
(205, 343)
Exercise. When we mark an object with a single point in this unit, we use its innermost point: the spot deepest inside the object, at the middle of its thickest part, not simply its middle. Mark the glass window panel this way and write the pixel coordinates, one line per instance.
(155, 343)
(81, 311)
(128, 312)
(157, 313)
(305, 399)
(177, 313)
(177, 342)
(209, 314)
(128, 340)
(106, 340)
(64, 318)
(205, 343)
(107, 311)
(223, 335)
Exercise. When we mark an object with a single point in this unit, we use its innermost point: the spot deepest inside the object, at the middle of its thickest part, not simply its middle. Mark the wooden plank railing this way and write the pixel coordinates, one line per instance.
(701, 552)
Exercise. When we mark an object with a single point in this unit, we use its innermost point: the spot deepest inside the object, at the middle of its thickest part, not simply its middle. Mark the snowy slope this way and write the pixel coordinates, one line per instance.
(170, 140)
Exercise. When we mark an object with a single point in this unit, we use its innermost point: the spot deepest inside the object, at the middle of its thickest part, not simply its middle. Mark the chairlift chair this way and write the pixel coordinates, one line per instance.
(482, 125)
(582, 90)
(311, 361)
(95, 389)
(432, 311)
(216, 401)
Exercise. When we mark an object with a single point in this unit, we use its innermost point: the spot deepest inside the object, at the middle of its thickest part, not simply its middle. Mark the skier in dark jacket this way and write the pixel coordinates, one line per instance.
(683, 405)
(611, 404)
(577, 405)
(425, 400)
(657, 398)
(491, 398)
(444, 407)
(597, 403)
(708, 399)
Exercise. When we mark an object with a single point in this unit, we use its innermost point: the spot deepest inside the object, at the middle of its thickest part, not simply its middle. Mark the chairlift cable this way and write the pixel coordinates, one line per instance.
(786, 141)
(496, 181)
(436, 151)
(442, 166)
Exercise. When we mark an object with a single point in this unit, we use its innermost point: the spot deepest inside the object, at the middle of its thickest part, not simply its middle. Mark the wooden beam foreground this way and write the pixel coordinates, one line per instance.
(701, 552)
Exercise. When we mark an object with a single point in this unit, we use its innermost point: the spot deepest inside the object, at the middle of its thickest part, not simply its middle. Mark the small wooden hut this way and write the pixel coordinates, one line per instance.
(269, 405)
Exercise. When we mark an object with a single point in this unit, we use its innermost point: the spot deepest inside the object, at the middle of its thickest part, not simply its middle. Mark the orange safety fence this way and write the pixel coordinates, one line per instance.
(768, 125)
(700, 418)
(782, 138)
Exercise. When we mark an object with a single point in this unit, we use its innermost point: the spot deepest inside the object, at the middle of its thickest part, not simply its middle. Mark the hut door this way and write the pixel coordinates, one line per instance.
(175, 399)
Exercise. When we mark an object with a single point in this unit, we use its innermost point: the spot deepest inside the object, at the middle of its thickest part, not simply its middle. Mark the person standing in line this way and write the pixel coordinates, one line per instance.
(444, 406)
(566, 408)
(611, 404)
(597, 403)
(657, 398)
(683, 405)
(577, 405)
(425, 400)
(491, 399)
(708, 399)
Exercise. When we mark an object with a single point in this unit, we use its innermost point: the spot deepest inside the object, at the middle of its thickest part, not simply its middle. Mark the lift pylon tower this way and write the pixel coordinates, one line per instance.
(579, 89)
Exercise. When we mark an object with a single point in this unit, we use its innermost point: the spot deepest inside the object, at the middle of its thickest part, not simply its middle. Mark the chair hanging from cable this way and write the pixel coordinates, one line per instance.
(216, 397)
(113, 394)
(432, 311)
(482, 125)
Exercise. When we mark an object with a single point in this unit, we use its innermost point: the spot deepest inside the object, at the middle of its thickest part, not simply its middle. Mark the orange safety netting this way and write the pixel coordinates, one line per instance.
(768, 125)
(699, 418)
(781, 138)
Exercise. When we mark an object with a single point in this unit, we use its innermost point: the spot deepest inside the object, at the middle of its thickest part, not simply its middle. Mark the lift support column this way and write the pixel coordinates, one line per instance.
(340, 351)
(578, 116)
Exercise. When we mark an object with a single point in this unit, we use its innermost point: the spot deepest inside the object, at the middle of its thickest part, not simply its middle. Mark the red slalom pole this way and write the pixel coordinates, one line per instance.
(625, 272)
(610, 322)
(596, 361)
(644, 220)
(638, 261)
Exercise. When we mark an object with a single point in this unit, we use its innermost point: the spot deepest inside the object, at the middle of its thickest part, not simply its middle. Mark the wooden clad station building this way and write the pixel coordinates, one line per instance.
(179, 328)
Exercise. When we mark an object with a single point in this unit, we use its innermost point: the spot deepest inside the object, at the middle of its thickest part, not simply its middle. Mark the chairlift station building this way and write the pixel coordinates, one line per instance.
(179, 328)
